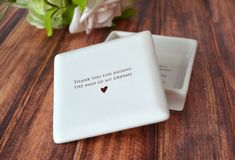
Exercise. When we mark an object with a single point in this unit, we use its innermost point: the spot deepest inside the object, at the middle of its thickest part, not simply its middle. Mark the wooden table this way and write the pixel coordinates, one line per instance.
(205, 129)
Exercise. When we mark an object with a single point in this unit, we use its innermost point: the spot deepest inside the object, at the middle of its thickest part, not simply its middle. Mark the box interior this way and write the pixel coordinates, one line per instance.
(173, 56)
(173, 61)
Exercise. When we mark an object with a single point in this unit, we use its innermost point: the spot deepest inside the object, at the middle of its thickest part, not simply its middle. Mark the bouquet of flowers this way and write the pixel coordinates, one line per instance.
(79, 15)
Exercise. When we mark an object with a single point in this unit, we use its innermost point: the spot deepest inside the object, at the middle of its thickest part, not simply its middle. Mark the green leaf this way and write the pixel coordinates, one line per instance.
(58, 3)
(81, 3)
(48, 21)
(39, 6)
(126, 14)
(21, 3)
(35, 21)
(57, 19)
(68, 14)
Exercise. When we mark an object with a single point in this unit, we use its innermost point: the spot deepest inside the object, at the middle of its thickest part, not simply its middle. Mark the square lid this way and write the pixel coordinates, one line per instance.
(106, 88)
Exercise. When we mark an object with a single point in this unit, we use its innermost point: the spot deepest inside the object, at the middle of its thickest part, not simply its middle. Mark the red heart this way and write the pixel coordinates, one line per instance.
(104, 89)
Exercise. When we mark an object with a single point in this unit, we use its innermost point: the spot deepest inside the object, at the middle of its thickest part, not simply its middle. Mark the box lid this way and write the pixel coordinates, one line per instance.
(107, 87)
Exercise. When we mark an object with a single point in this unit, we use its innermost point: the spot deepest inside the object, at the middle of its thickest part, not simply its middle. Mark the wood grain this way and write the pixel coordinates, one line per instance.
(204, 130)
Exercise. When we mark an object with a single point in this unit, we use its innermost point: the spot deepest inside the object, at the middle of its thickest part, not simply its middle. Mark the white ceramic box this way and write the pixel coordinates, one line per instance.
(107, 87)
(175, 58)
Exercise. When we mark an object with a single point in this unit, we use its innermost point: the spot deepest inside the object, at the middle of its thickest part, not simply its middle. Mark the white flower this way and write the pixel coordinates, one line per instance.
(97, 17)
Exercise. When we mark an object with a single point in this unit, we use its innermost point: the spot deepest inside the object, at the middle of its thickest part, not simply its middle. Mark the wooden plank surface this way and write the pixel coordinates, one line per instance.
(205, 129)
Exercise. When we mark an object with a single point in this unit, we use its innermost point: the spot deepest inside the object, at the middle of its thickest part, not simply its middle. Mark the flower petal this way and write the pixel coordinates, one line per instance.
(76, 26)
(104, 16)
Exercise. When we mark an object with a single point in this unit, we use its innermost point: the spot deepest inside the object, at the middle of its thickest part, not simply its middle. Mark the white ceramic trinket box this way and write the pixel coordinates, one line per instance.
(106, 88)
(175, 58)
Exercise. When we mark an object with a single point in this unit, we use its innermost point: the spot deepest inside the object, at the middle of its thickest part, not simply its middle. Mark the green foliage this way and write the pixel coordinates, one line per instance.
(81, 3)
(68, 14)
(48, 14)
(48, 21)
(51, 14)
